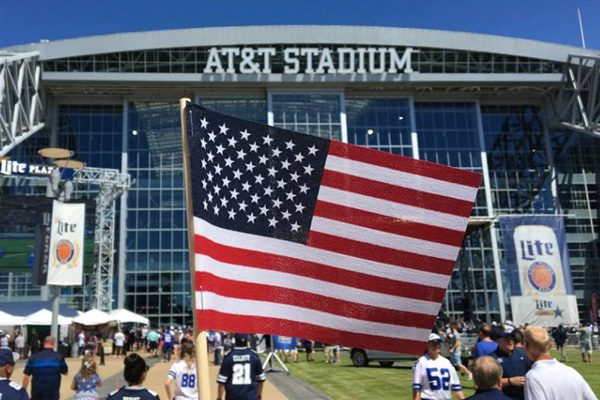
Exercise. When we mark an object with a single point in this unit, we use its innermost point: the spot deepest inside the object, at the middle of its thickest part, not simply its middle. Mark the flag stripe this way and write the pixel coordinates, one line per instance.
(398, 194)
(392, 209)
(259, 292)
(304, 253)
(384, 239)
(399, 178)
(213, 301)
(323, 272)
(405, 164)
(388, 224)
(301, 283)
(236, 322)
(381, 254)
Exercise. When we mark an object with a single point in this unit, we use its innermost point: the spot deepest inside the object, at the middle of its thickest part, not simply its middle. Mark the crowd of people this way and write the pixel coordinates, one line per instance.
(509, 363)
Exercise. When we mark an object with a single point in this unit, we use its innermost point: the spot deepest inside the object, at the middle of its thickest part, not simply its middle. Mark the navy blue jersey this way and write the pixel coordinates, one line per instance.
(133, 393)
(12, 391)
(241, 371)
(46, 366)
(490, 394)
(516, 364)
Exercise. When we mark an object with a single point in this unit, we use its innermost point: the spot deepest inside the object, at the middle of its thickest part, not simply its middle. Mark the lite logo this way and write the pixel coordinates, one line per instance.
(531, 249)
(539, 261)
(65, 227)
(10, 167)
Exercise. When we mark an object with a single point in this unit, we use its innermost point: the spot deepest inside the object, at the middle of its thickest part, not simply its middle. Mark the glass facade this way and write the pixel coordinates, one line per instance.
(314, 114)
(381, 124)
(521, 166)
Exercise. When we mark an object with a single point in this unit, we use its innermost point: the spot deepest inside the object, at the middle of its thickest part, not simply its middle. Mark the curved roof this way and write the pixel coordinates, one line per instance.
(299, 34)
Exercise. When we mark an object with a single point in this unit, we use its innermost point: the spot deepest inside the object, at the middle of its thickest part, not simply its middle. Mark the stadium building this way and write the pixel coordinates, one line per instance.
(523, 113)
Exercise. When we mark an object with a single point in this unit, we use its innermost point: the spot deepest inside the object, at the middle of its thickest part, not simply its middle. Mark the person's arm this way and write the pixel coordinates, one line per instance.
(518, 381)
(260, 389)
(73, 384)
(220, 391)
(417, 378)
(99, 384)
(455, 385)
(27, 373)
(64, 369)
(168, 388)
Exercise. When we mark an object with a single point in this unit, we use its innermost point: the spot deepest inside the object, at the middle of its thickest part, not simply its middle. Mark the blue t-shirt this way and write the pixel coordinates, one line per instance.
(490, 394)
(485, 348)
(240, 372)
(46, 366)
(133, 393)
(12, 391)
(167, 340)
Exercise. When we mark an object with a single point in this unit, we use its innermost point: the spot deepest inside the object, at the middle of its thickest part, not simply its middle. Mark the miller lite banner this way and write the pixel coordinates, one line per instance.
(65, 257)
(539, 271)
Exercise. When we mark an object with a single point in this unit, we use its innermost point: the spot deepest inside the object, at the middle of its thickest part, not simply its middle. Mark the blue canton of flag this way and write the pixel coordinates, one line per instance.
(254, 178)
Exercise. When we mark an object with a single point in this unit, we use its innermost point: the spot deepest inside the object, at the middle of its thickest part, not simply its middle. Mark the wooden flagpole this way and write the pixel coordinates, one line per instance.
(201, 345)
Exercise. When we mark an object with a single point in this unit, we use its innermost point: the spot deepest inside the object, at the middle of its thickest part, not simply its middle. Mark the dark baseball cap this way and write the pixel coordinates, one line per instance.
(7, 357)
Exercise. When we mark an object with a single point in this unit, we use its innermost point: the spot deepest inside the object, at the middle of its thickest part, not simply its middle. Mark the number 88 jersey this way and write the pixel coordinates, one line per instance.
(240, 373)
(435, 379)
(186, 386)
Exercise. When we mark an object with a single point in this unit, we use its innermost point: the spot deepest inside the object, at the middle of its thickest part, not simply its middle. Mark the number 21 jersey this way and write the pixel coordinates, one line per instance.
(241, 371)
(435, 379)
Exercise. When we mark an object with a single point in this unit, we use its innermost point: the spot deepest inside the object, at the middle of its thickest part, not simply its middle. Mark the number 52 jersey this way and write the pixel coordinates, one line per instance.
(240, 373)
(435, 379)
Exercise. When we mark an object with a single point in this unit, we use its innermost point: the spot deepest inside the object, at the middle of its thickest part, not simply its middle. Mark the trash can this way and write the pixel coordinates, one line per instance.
(64, 349)
(595, 342)
(74, 349)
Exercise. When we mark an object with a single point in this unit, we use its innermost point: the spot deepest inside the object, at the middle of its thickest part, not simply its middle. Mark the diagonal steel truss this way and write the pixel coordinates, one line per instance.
(21, 106)
(578, 102)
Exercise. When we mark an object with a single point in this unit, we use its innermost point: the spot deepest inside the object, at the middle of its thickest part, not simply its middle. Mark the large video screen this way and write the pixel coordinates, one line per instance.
(18, 219)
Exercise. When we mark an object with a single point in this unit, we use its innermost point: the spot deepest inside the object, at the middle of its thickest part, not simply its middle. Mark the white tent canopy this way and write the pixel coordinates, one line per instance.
(93, 317)
(44, 317)
(124, 316)
(10, 320)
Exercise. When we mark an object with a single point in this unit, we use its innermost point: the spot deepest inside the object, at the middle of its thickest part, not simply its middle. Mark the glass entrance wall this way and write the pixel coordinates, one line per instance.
(315, 114)
(381, 124)
(157, 282)
(448, 134)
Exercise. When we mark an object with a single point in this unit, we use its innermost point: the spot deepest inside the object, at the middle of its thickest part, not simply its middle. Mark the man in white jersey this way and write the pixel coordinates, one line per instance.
(434, 377)
(549, 379)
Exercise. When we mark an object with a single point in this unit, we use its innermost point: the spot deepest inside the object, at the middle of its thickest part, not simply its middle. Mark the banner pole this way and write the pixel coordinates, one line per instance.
(201, 345)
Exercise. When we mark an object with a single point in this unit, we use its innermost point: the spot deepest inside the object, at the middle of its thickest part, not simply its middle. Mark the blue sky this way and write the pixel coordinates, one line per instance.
(548, 20)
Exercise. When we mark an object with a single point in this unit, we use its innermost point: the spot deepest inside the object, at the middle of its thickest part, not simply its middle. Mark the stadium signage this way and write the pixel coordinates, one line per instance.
(9, 167)
(12, 167)
(309, 60)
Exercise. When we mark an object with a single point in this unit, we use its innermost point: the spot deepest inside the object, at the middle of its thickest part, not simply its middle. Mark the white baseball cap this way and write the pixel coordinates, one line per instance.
(434, 337)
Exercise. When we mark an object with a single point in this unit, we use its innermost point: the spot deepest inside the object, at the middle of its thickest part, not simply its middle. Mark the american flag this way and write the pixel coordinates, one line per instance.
(302, 236)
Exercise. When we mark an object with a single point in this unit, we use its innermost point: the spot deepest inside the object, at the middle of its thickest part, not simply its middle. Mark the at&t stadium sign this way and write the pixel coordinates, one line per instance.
(309, 60)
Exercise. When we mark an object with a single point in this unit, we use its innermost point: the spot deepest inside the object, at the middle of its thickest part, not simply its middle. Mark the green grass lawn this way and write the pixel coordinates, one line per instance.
(343, 381)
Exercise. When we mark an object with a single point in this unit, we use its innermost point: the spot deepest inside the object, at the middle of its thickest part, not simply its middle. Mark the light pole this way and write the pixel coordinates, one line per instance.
(62, 194)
